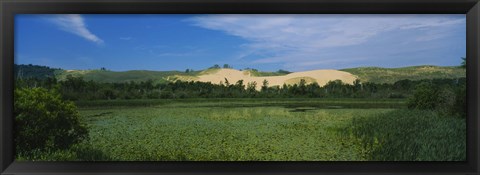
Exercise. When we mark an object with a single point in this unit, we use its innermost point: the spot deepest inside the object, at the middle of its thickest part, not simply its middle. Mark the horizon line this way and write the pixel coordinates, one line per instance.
(243, 69)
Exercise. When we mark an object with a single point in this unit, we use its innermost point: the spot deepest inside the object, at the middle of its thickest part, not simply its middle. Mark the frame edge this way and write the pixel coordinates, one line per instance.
(6, 77)
(6, 73)
(473, 90)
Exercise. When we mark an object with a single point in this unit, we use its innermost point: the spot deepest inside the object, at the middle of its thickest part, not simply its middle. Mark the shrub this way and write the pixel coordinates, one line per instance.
(445, 100)
(424, 97)
(43, 121)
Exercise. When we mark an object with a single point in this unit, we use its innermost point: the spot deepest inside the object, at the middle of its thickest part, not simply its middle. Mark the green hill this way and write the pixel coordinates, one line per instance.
(365, 74)
(391, 75)
(126, 76)
(35, 71)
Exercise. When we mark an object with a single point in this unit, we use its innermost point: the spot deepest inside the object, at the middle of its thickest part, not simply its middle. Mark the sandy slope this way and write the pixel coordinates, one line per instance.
(319, 76)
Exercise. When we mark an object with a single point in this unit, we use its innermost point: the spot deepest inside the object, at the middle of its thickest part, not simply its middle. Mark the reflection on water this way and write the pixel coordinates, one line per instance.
(299, 107)
(302, 109)
(305, 109)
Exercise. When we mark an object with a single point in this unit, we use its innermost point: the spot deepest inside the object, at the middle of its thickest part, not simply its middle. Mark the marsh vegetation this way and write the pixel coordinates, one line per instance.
(408, 120)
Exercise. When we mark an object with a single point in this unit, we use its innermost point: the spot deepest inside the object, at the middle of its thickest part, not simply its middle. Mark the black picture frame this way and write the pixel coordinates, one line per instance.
(9, 8)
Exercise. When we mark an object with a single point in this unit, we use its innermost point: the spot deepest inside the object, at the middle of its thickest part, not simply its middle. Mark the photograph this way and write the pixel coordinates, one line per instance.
(240, 87)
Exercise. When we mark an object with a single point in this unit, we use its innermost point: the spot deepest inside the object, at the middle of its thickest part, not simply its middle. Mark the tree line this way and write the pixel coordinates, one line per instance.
(76, 88)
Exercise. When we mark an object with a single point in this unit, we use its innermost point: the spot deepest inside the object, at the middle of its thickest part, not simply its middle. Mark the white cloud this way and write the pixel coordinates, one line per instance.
(75, 24)
(290, 39)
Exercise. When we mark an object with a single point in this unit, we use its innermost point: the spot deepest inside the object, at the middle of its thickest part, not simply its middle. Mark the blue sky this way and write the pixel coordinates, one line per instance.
(264, 42)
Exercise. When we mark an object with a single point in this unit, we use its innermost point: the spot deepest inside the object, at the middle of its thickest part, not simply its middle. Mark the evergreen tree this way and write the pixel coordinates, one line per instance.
(265, 85)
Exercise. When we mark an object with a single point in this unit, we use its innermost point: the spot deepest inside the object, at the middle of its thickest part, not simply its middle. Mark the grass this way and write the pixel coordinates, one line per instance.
(256, 73)
(409, 135)
(232, 129)
(182, 78)
(297, 80)
(391, 75)
(209, 71)
(248, 102)
(122, 77)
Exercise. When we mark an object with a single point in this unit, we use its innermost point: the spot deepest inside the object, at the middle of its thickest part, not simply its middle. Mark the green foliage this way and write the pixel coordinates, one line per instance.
(76, 88)
(226, 66)
(391, 75)
(247, 102)
(426, 96)
(279, 129)
(192, 131)
(409, 135)
(216, 66)
(281, 71)
(447, 100)
(252, 88)
(43, 121)
(256, 73)
(34, 71)
(460, 105)
(106, 76)
(78, 152)
(265, 86)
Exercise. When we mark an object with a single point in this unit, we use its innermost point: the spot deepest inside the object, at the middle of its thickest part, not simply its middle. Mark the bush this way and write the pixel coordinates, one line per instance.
(424, 97)
(445, 100)
(43, 121)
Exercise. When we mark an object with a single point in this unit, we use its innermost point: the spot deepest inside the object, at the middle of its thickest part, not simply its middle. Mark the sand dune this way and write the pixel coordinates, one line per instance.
(320, 76)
